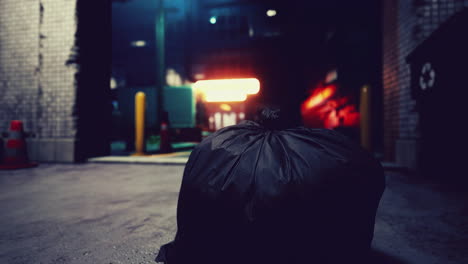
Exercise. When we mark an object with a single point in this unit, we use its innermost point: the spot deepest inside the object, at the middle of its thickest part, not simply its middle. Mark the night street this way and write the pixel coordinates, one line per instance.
(118, 213)
(284, 111)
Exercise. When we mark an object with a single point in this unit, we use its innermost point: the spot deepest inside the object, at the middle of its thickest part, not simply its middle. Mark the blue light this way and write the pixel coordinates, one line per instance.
(213, 20)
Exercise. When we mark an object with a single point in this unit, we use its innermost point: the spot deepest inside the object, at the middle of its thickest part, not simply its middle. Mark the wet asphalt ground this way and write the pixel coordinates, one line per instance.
(123, 213)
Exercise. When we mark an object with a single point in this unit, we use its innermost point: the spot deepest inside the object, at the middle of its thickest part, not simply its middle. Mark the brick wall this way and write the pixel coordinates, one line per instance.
(19, 63)
(56, 79)
(36, 86)
(406, 23)
(390, 76)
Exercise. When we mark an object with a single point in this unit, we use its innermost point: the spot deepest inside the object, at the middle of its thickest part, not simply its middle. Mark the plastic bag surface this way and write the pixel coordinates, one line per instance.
(253, 194)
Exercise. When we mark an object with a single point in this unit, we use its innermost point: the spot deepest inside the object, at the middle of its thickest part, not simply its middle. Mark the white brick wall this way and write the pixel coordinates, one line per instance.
(18, 62)
(57, 79)
(35, 84)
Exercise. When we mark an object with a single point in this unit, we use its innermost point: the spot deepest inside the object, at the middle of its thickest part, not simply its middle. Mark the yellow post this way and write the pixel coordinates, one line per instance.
(140, 100)
(365, 113)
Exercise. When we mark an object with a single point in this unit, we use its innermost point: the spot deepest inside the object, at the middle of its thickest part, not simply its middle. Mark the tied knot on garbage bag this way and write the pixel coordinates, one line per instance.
(264, 191)
(274, 118)
(270, 118)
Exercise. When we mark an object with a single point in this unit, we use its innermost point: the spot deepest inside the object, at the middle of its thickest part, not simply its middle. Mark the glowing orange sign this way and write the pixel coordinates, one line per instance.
(227, 90)
(325, 109)
(319, 97)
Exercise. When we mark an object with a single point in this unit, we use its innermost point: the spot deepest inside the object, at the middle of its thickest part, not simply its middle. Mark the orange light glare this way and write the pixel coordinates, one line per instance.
(319, 97)
(227, 90)
(225, 107)
(225, 96)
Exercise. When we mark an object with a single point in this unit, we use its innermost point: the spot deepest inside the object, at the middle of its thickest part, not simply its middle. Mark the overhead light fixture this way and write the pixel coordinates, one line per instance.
(271, 12)
(138, 43)
(113, 83)
(213, 20)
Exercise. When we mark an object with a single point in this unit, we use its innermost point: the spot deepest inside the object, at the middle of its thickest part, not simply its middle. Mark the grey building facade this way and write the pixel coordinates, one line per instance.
(407, 24)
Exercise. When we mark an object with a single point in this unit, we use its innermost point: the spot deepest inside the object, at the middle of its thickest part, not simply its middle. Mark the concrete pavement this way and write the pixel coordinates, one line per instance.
(174, 158)
(123, 213)
(90, 213)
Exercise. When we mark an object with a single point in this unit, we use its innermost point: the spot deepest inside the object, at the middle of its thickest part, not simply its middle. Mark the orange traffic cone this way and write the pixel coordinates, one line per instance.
(165, 145)
(15, 154)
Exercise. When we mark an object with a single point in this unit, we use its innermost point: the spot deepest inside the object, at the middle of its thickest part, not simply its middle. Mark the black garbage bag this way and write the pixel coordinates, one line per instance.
(259, 193)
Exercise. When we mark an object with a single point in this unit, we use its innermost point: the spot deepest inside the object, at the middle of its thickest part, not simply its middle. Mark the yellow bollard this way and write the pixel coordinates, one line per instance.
(140, 101)
(365, 113)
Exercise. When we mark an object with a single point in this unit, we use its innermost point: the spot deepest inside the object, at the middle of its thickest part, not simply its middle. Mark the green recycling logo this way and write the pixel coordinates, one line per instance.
(427, 77)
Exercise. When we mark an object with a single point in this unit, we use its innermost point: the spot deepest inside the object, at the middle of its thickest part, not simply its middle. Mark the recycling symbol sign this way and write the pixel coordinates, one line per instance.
(427, 77)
